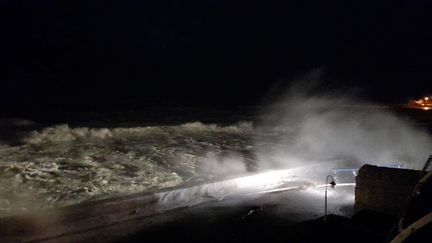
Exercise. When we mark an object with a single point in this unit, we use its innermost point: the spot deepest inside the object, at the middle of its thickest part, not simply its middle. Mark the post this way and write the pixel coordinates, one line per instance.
(332, 183)
(325, 204)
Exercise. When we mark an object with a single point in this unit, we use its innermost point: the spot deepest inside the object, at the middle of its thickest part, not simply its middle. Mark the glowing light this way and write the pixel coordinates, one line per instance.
(265, 181)
(342, 195)
(424, 103)
(339, 185)
(269, 179)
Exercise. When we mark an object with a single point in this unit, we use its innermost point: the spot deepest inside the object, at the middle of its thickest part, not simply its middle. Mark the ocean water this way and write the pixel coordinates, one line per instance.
(60, 160)
(60, 165)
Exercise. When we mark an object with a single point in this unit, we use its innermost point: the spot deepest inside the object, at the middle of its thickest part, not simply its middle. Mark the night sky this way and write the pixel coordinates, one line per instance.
(106, 54)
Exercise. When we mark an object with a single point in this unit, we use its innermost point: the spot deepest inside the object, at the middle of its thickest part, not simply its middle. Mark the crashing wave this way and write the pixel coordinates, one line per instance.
(62, 165)
(64, 133)
(16, 122)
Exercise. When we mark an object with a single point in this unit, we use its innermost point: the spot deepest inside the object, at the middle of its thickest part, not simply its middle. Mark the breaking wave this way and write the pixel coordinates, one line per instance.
(64, 165)
(15, 122)
(61, 165)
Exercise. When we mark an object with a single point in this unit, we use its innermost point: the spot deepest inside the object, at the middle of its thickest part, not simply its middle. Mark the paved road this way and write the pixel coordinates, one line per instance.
(246, 218)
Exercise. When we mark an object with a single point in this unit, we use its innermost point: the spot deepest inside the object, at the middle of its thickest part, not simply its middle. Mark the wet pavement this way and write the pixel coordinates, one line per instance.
(262, 217)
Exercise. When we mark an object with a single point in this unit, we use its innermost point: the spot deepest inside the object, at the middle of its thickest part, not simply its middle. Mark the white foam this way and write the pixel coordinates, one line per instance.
(62, 165)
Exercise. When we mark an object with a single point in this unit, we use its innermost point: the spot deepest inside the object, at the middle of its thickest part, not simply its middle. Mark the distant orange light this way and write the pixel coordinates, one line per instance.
(424, 103)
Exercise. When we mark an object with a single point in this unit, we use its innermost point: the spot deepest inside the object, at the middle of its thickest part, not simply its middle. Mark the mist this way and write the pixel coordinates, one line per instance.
(304, 131)
(305, 127)
(226, 165)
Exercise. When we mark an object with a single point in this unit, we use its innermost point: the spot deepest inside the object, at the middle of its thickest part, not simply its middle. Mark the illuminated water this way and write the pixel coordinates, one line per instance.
(50, 164)
(60, 165)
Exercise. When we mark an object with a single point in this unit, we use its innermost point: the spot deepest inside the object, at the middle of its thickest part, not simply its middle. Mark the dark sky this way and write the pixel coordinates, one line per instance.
(214, 52)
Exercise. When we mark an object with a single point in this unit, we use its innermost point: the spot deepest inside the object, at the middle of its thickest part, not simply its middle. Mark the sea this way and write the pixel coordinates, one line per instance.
(56, 159)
